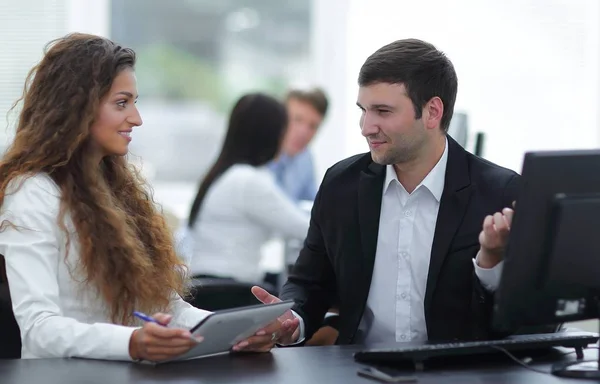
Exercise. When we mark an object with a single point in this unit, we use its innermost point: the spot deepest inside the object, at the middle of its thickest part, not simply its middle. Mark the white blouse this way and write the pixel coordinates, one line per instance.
(57, 315)
(241, 211)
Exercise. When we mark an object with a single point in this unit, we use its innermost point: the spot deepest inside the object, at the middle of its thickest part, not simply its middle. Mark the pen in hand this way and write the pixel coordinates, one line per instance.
(150, 319)
(146, 318)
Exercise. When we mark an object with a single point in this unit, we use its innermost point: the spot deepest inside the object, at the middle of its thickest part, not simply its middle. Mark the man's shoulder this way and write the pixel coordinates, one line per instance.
(349, 167)
(490, 172)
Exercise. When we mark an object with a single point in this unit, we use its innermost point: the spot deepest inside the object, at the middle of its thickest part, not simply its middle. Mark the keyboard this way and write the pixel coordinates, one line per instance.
(420, 353)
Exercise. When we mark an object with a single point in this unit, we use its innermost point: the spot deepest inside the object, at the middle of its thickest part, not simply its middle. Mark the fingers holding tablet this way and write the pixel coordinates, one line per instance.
(253, 328)
(156, 342)
(284, 330)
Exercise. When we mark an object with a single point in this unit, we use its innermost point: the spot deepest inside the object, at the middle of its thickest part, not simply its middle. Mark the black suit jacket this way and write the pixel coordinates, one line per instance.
(336, 262)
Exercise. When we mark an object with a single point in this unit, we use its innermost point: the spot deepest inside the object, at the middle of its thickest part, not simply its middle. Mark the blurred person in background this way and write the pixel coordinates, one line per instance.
(294, 169)
(239, 206)
(83, 244)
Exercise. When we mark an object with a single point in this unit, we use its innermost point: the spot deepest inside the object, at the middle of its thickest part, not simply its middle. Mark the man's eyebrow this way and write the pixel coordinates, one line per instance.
(376, 106)
(381, 106)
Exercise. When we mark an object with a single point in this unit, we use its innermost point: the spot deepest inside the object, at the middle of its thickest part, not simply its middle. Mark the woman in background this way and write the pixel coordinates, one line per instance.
(238, 206)
(83, 244)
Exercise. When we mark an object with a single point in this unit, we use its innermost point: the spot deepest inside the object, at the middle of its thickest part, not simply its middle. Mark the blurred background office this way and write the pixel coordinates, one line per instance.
(528, 70)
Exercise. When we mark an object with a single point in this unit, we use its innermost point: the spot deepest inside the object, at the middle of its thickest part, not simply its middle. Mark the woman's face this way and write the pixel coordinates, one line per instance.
(117, 115)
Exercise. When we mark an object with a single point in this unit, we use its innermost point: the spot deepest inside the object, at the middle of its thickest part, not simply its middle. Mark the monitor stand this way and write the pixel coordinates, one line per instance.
(589, 369)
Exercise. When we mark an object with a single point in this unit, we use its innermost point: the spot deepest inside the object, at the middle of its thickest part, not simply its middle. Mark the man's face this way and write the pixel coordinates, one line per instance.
(388, 123)
(304, 120)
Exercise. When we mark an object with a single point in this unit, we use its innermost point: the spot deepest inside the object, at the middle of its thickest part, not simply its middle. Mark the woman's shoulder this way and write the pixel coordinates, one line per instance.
(244, 173)
(242, 182)
(244, 170)
(39, 185)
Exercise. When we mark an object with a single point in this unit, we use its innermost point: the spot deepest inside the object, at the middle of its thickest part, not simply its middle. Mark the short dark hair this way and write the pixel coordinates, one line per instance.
(315, 97)
(424, 71)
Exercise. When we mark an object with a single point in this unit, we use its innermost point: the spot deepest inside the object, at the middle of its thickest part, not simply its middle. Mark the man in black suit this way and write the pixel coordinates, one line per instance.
(396, 236)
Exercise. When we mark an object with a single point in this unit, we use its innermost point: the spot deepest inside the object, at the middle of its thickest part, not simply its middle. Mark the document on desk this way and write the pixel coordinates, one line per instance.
(221, 330)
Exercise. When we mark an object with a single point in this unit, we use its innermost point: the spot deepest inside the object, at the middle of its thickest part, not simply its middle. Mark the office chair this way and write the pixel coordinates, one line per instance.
(10, 334)
(213, 294)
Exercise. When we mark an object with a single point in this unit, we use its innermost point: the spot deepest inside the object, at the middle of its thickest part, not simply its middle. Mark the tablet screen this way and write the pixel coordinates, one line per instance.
(223, 329)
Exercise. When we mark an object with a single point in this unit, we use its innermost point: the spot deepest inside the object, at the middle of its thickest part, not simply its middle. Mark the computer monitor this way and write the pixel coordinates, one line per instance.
(551, 270)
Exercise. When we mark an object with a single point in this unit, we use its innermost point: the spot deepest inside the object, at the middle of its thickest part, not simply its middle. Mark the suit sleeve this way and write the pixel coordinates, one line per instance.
(311, 284)
(482, 300)
(511, 191)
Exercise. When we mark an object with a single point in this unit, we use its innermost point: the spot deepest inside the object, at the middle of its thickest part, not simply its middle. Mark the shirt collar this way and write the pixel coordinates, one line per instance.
(434, 181)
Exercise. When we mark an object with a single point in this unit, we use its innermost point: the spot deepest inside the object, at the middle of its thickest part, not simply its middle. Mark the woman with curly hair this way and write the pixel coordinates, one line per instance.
(83, 244)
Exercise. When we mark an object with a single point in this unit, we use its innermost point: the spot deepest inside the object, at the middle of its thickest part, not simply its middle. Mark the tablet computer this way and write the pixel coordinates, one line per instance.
(223, 329)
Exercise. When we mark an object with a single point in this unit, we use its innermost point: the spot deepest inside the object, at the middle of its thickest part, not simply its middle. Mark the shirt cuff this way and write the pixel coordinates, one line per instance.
(489, 277)
(119, 342)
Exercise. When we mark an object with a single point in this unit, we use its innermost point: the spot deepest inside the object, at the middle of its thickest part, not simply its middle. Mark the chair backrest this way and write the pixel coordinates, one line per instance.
(213, 294)
(10, 346)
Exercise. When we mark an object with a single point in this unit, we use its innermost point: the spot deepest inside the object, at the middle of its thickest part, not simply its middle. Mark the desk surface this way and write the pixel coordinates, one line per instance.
(288, 365)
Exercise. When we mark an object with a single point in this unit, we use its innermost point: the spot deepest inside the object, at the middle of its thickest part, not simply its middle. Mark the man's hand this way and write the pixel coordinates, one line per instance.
(284, 330)
(494, 237)
(155, 342)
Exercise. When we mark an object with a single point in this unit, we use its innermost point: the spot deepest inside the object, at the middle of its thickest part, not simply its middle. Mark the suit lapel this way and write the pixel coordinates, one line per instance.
(453, 206)
(370, 189)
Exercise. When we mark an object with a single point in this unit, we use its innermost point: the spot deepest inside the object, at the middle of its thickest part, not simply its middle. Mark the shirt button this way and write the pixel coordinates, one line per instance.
(407, 213)
(404, 254)
(403, 295)
(403, 337)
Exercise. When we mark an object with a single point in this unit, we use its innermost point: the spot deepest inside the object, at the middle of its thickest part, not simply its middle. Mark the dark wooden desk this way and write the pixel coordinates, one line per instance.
(289, 366)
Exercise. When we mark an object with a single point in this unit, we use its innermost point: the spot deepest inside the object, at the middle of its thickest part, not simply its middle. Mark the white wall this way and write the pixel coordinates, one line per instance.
(329, 67)
(89, 17)
(528, 69)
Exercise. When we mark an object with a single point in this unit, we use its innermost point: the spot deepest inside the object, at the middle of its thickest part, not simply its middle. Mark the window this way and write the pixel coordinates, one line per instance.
(195, 58)
(24, 31)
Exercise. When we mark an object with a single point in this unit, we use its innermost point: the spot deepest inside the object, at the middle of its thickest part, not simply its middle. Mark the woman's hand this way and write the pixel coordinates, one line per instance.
(154, 342)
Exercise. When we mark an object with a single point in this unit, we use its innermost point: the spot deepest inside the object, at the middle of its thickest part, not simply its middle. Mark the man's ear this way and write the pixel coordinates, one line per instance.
(435, 111)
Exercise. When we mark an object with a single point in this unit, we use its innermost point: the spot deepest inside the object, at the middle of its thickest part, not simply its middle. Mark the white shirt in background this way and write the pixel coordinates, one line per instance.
(241, 211)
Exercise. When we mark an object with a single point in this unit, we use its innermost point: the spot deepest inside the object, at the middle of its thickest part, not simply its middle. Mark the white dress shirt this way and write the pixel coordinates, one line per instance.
(395, 305)
(241, 211)
(57, 315)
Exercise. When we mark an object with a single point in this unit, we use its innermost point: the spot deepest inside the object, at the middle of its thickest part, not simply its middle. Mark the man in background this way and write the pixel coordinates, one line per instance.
(294, 169)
